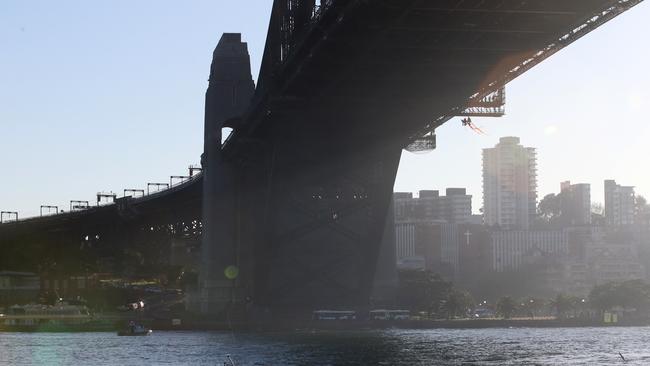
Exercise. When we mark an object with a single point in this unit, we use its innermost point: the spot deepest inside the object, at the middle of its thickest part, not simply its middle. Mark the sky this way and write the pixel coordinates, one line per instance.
(103, 96)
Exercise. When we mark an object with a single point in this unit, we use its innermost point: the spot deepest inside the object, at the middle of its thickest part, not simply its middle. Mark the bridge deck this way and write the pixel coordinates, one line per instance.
(185, 196)
(372, 72)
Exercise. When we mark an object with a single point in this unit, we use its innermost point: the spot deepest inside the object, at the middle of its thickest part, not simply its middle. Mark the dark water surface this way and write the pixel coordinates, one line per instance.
(520, 346)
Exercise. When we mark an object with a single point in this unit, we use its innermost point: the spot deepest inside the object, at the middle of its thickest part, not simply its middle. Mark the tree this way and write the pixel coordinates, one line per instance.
(422, 290)
(553, 209)
(533, 305)
(597, 214)
(604, 297)
(528, 280)
(629, 294)
(506, 306)
(550, 208)
(597, 208)
(563, 304)
(458, 302)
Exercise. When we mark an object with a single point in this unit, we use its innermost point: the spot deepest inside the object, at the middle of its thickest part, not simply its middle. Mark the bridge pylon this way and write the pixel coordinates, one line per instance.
(229, 93)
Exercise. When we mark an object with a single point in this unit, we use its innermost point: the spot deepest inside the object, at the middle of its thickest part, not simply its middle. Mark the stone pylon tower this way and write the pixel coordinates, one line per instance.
(229, 94)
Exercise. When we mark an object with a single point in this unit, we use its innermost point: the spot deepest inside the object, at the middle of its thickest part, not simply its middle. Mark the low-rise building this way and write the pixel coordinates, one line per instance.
(597, 256)
(427, 244)
(426, 229)
(512, 249)
(455, 207)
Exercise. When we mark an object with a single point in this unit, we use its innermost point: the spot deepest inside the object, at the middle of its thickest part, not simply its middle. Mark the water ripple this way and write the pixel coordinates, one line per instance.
(521, 346)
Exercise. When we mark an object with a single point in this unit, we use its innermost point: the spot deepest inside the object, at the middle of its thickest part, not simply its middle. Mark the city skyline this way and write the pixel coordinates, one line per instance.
(94, 64)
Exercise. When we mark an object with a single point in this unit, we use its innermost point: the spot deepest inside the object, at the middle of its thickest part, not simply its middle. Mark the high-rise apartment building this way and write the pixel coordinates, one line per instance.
(509, 184)
(575, 201)
(619, 204)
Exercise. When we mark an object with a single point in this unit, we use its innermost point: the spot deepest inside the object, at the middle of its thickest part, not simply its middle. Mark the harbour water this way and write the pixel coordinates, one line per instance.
(514, 346)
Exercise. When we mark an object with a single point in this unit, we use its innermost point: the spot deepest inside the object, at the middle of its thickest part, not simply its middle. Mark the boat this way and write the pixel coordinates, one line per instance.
(135, 330)
(60, 317)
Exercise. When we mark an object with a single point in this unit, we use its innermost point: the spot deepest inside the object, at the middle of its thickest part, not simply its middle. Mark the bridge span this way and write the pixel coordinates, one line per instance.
(291, 209)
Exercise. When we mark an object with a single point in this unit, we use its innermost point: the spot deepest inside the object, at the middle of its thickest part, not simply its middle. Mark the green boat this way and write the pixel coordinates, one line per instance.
(61, 317)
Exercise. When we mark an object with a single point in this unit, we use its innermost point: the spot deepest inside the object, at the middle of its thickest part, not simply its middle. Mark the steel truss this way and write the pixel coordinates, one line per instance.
(532, 58)
(325, 225)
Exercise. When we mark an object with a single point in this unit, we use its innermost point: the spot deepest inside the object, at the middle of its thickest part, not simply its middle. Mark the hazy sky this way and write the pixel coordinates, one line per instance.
(101, 96)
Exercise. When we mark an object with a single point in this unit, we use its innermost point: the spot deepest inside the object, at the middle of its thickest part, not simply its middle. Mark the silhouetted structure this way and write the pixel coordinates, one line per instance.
(295, 201)
(228, 96)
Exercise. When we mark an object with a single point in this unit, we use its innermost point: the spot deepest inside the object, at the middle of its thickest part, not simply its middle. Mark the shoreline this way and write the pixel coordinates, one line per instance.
(403, 324)
(291, 326)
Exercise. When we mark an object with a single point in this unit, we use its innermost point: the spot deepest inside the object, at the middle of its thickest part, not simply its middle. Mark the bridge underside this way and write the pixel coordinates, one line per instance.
(390, 69)
(338, 100)
(343, 88)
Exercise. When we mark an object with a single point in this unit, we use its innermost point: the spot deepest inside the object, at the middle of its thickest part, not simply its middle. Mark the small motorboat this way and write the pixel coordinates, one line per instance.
(135, 330)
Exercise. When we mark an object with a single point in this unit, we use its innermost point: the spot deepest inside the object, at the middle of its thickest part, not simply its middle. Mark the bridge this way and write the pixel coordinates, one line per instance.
(291, 209)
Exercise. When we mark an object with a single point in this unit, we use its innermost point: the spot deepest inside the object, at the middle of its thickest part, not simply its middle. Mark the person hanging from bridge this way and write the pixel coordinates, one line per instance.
(467, 121)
